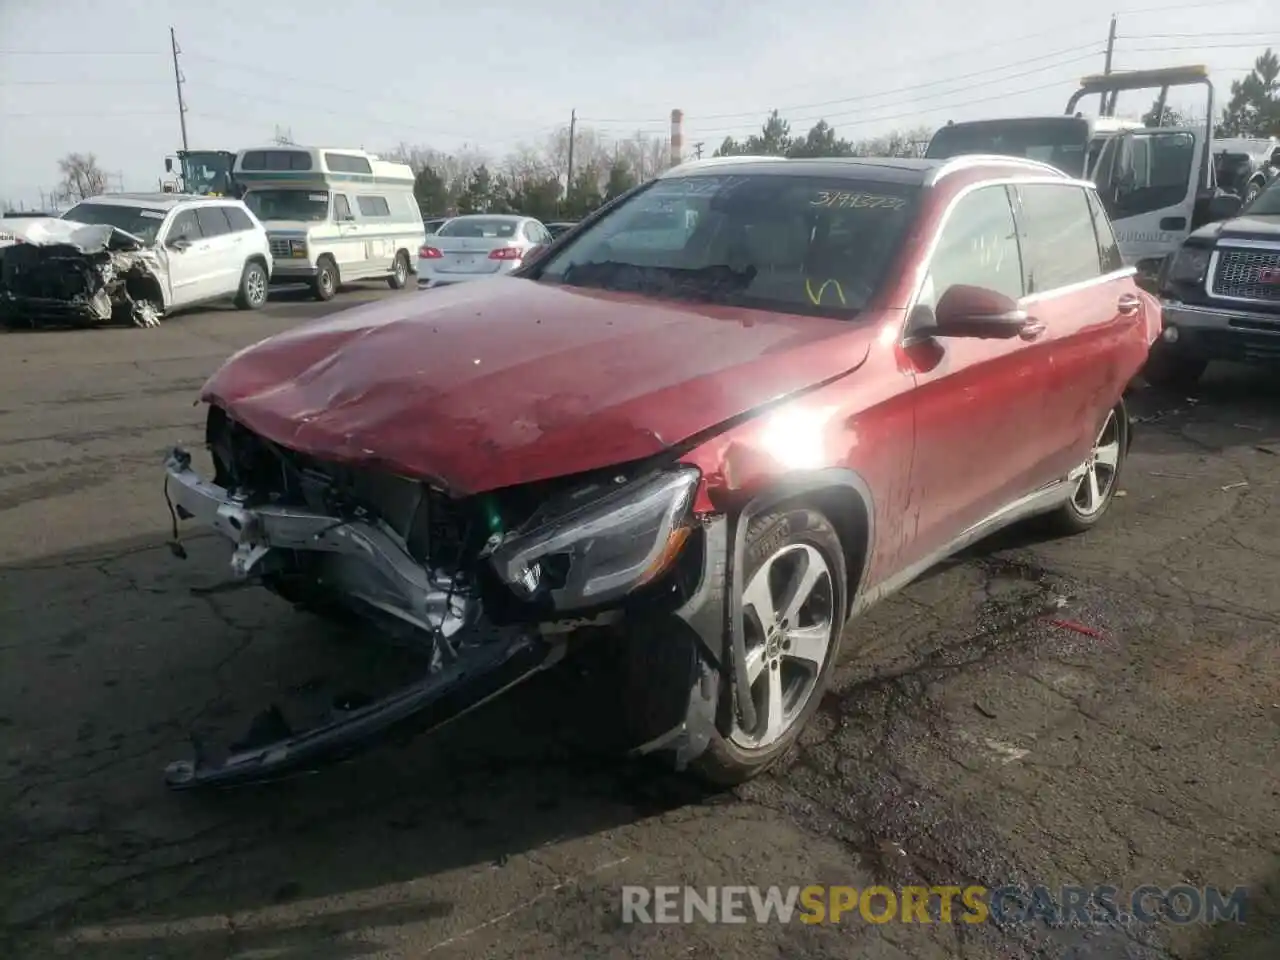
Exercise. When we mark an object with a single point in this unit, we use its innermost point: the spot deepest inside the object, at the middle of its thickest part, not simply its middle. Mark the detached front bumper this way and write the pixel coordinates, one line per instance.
(1219, 333)
(671, 657)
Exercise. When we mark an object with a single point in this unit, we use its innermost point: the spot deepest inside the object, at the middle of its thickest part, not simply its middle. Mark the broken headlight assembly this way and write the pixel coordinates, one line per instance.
(1190, 264)
(602, 547)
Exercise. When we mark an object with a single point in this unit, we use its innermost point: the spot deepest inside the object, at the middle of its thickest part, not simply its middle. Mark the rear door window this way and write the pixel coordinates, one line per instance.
(1108, 246)
(1060, 245)
(213, 222)
(238, 219)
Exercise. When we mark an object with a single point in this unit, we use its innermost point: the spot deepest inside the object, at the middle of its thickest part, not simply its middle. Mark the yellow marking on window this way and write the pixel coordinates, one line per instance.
(816, 298)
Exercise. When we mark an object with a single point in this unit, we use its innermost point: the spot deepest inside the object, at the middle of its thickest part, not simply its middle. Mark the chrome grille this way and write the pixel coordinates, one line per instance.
(1240, 274)
(279, 248)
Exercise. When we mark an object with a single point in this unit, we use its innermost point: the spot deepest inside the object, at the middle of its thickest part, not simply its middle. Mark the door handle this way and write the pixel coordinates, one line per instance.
(1031, 330)
(1128, 304)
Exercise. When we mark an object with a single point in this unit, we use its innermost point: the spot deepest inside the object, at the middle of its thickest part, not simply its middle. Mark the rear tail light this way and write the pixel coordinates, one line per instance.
(430, 253)
(506, 253)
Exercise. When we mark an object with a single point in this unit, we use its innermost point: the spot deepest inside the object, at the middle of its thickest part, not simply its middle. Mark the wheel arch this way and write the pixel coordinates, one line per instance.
(147, 286)
(843, 497)
(260, 260)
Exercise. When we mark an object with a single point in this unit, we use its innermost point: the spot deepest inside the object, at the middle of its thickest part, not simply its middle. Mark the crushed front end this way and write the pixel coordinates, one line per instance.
(492, 587)
(65, 274)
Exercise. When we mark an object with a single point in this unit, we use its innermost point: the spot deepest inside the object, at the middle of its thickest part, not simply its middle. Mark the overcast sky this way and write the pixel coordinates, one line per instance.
(98, 76)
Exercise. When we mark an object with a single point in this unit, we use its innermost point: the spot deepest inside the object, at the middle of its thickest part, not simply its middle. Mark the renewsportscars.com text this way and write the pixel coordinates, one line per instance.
(971, 904)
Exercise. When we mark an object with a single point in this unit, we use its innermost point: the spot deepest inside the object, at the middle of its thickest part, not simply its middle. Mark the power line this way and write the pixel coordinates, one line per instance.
(44, 114)
(1200, 46)
(835, 119)
(76, 83)
(80, 53)
(1092, 48)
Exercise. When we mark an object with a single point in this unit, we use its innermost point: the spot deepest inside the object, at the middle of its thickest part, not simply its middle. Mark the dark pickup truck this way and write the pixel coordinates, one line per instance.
(1221, 295)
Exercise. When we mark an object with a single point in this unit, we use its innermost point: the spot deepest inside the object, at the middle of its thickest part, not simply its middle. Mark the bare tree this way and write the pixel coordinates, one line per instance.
(81, 177)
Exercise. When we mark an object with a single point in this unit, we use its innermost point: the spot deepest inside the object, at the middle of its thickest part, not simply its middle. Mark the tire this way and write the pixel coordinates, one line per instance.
(1096, 489)
(326, 281)
(1172, 370)
(252, 294)
(779, 543)
(399, 278)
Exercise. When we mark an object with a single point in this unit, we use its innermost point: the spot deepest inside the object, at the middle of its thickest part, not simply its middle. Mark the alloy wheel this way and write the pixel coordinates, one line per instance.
(790, 624)
(1100, 469)
(256, 287)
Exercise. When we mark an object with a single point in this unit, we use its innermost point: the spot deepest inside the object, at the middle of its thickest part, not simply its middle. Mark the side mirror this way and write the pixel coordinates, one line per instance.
(979, 313)
(1275, 157)
(178, 244)
(1224, 206)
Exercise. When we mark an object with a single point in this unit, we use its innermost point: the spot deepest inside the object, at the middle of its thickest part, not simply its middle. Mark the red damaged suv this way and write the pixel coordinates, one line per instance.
(718, 419)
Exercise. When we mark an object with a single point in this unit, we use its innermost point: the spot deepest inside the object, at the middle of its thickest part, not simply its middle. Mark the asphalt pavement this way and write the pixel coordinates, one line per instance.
(1097, 710)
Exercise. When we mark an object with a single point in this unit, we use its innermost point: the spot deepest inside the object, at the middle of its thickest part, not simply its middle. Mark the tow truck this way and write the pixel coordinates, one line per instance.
(205, 172)
(1157, 183)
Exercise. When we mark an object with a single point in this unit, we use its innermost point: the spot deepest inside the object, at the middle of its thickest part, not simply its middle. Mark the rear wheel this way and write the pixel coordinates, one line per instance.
(252, 294)
(1097, 485)
(793, 604)
(399, 272)
(325, 284)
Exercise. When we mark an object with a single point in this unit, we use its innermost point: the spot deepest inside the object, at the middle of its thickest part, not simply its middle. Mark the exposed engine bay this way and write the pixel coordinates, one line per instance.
(60, 273)
(489, 587)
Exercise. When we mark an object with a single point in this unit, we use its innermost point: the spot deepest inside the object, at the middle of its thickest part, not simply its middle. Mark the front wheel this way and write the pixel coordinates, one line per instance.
(1098, 477)
(399, 272)
(325, 285)
(793, 605)
(252, 294)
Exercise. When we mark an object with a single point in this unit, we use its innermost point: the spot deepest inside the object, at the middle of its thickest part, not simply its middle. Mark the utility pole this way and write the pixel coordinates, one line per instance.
(697, 150)
(178, 81)
(573, 135)
(1108, 105)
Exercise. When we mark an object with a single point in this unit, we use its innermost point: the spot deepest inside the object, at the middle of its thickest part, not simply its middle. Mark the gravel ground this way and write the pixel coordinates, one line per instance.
(966, 739)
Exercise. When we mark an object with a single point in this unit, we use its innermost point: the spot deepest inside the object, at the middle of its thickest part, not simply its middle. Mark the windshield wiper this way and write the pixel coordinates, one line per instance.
(715, 282)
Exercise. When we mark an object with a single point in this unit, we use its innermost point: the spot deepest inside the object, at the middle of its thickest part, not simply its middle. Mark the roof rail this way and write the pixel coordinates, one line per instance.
(966, 161)
(721, 161)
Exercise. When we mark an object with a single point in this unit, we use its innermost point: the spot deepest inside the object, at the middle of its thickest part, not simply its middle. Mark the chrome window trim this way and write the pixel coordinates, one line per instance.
(922, 272)
(967, 161)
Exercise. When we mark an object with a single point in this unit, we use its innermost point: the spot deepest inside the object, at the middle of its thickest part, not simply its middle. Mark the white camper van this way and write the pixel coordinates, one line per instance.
(333, 214)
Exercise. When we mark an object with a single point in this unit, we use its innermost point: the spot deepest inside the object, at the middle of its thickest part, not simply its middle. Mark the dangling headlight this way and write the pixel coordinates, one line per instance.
(603, 547)
(1190, 264)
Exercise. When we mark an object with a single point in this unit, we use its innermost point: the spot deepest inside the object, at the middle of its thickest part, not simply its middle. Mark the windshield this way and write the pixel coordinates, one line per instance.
(797, 244)
(142, 223)
(1267, 203)
(307, 205)
(1059, 142)
(207, 172)
(479, 227)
